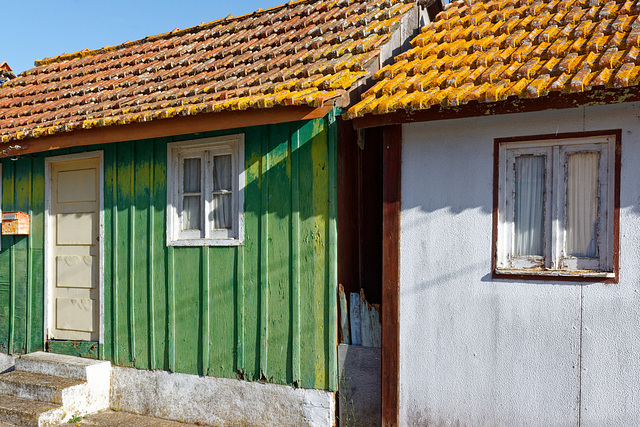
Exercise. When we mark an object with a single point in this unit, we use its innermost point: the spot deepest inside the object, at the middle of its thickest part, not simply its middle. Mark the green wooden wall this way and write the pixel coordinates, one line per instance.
(264, 311)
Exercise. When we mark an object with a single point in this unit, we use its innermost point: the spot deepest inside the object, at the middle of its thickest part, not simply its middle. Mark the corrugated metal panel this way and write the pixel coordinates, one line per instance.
(265, 310)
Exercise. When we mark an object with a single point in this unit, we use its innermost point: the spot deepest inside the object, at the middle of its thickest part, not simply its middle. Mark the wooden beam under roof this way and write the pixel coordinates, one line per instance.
(166, 127)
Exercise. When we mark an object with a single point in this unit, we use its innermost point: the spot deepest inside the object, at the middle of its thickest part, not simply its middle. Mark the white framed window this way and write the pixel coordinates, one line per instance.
(556, 206)
(205, 192)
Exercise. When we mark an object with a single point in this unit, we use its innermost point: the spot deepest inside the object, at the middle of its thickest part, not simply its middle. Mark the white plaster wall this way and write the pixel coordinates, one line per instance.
(477, 351)
(219, 402)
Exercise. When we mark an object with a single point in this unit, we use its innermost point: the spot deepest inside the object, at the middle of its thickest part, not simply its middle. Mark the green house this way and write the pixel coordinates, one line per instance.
(182, 193)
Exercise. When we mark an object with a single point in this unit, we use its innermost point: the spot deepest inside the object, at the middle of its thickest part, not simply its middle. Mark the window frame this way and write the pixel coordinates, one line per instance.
(555, 265)
(205, 149)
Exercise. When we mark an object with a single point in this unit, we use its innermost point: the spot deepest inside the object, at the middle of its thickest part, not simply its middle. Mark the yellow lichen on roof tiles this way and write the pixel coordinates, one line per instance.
(486, 51)
(305, 52)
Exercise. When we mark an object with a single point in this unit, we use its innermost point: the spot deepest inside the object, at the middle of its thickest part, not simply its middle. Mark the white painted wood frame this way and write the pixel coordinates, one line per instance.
(205, 149)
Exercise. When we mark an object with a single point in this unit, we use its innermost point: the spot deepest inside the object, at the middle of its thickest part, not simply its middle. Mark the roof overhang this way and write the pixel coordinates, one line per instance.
(205, 122)
(552, 101)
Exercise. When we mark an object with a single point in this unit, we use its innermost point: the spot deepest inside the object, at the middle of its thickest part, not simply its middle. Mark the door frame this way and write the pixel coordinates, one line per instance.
(49, 237)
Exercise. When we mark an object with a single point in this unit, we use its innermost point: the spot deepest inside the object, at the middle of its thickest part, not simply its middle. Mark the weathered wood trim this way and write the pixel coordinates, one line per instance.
(552, 101)
(391, 173)
(332, 249)
(168, 127)
(616, 208)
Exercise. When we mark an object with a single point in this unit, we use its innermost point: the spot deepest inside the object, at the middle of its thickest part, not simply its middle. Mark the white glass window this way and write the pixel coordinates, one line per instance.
(205, 184)
(556, 207)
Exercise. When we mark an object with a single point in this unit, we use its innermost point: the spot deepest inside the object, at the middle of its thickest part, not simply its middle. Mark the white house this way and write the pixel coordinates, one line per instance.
(512, 217)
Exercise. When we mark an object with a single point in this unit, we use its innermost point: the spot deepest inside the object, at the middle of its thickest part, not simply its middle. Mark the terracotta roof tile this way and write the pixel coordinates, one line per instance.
(486, 51)
(307, 52)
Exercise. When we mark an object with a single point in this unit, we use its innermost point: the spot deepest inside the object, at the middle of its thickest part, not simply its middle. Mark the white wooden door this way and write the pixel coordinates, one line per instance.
(74, 250)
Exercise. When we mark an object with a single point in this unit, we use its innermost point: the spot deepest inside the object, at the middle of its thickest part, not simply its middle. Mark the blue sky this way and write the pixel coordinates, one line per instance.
(36, 29)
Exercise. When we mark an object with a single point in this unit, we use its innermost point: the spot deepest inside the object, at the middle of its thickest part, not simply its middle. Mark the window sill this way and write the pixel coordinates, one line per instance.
(565, 274)
(206, 242)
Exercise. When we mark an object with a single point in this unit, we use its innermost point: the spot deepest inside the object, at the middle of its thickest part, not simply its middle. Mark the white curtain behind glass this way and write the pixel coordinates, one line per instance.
(529, 205)
(582, 204)
(192, 194)
(222, 192)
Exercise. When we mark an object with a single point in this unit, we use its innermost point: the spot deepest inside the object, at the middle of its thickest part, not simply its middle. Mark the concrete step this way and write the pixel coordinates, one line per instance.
(29, 385)
(60, 365)
(46, 389)
(24, 412)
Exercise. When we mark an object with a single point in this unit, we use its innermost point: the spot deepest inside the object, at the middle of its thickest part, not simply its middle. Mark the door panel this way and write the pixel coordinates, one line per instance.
(74, 250)
(76, 271)
(75, 314)
(77, 186)
(76, 228)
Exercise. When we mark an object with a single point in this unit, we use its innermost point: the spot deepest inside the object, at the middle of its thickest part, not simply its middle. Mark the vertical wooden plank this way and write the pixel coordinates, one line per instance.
(354, 317)
(319, 222)
(314, 202)
(171, 311)
(151, 261)
(139, 259)
(295, 255)
(124, 253)
(264, 257)
(115, 284)
(12, 298)
(278, 234)
(8, 203)
(36, 248)
(187, 312)
(310, 241)
(332, 256)
(391, 195)
(131, 301)
(22, 201)
(251, 254)
(345, 336)
(160, 256)
(107, 350)
(5, 265)
(239, 309)
(29, 302)
(205, 315)
(221, 301)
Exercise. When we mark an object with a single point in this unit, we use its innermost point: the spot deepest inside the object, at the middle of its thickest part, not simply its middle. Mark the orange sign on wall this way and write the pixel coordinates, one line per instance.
(15, 223)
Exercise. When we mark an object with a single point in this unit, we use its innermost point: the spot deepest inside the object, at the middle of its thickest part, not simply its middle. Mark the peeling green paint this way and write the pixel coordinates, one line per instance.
(262, 311)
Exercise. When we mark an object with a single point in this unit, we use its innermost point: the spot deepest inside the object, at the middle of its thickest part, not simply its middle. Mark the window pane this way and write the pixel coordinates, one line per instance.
(222, 173)
(221, 211)
(582, 205)
(192, 175)
(529, 205)
(191, 213)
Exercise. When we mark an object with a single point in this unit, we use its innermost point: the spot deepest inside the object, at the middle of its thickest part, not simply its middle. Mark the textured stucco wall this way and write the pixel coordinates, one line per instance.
(477, 351)
(219, 401)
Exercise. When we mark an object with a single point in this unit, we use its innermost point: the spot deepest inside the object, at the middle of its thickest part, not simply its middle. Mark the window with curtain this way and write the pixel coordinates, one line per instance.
(556, 206)
(205, 182)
